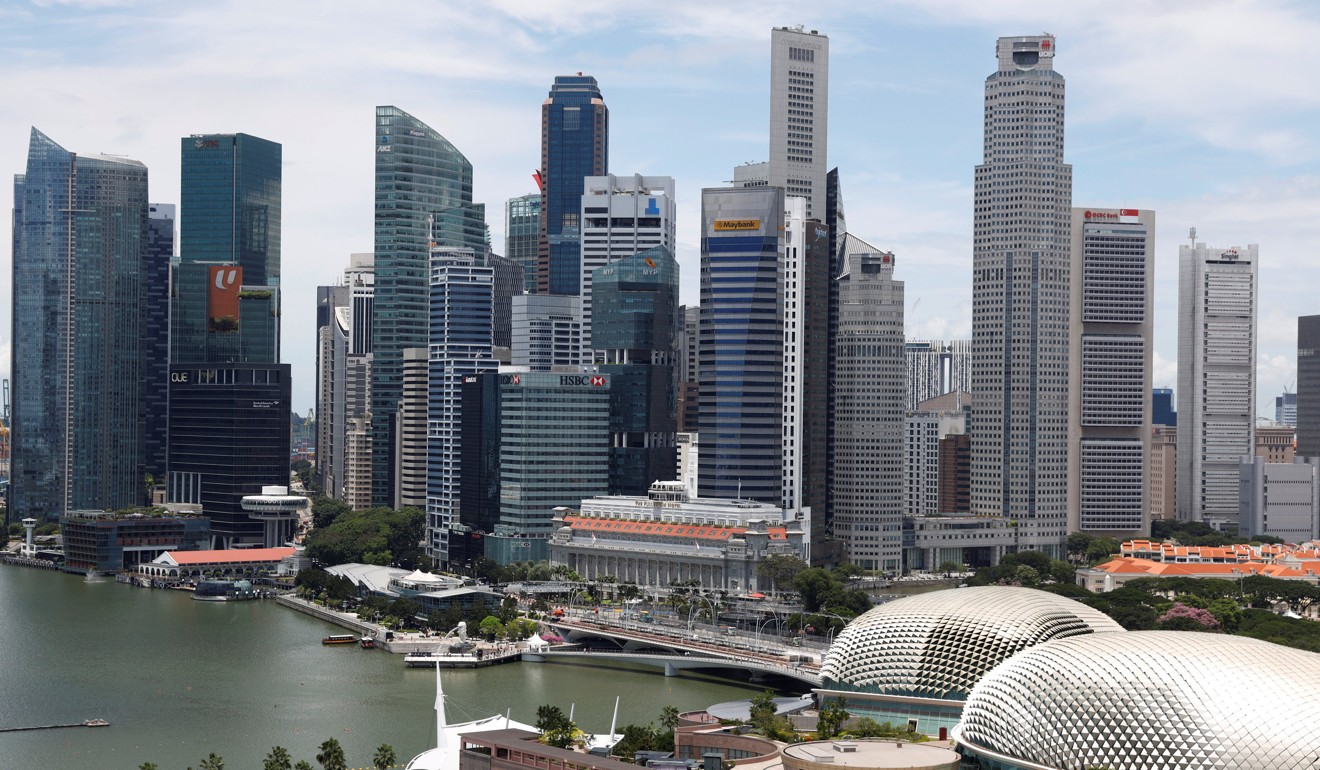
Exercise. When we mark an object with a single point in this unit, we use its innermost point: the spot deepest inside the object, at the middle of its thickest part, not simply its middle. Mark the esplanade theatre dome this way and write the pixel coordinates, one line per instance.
(1148, 700)
(938, 645)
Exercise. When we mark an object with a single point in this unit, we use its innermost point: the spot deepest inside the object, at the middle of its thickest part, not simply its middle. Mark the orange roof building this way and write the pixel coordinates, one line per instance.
(236, 562)
(1114, 573)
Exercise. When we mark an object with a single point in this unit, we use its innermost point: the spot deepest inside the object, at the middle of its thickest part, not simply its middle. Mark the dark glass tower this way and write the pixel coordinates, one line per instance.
(229, 395)
(80, 248)
(1308, 385)
(575, 130)
(423, 198)
(636, 318)
(231, 190)
(522, 231)
(741, 343)
(156, 338)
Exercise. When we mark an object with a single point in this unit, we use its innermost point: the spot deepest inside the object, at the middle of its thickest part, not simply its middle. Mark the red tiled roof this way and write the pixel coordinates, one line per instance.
(236, 555)
(698, 531)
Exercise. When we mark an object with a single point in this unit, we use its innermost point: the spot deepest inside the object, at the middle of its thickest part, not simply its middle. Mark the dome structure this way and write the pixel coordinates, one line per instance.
(1172, 700)
(939, 644)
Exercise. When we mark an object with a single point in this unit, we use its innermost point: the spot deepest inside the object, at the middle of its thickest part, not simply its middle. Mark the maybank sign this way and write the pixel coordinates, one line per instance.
(737, 224)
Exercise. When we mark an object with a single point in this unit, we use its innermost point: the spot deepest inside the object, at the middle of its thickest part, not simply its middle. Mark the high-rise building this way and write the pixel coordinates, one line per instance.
(227, 284)
(225, 338)
(1279, 499)
(1163, 472)
(462, 301)
(554, 452)
(1274, 443)
(343, 377)
(687, 371)
(799, 115)
(479, 485)
(410, 450)
(1161, 407)
(547, 331)
(156, 339)
(1285, 409)
(507, 277)
(866, 479)
(621, 216)
(925, 431)
(805, 399)
(636, 344)
(955, 474)
(81, 263)
(1308, 385)
(575, 143)
(522, 230)
(423, 199)
(1109, 357)
(1216, 378)
(1020, 297)
(935, 367)
(741, 343)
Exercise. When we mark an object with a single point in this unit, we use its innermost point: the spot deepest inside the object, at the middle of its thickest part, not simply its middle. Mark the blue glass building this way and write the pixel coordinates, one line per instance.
(461, 309)
(423, 199)
(522, 231)
(231, 203)
(80, 248)
(1161, 407)
(637, 320)
(575, 129)
(741, 344)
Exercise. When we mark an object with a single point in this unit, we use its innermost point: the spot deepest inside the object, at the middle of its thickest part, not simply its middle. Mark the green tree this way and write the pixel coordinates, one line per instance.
(302, 764)
(814, 585)
(847, 571)
(384, 756)
(331, 755)
(779, 570)
(762, 712)
(831, 719)
(556, 729)
(212, 762)
(949, 566)
(148, 766)
(492, 627)
(669, 718)
(278, 759)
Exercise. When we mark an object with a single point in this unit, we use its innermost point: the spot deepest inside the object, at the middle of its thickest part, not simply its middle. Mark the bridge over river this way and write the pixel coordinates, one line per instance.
(676, 652)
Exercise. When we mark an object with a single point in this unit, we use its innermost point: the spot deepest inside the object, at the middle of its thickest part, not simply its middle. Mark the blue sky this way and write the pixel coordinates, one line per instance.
(1205, 110)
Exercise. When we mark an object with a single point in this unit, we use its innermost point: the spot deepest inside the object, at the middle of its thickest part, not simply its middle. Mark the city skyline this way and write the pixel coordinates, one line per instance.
(1147, 124)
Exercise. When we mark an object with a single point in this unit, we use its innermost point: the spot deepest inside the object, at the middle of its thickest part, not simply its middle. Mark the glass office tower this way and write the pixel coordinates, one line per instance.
(575, 131)
(80, 247)
(423, 199)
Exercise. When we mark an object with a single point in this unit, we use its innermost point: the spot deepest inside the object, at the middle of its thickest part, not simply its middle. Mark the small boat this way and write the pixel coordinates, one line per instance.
(96, 723)
(340, 639)
(367, 643)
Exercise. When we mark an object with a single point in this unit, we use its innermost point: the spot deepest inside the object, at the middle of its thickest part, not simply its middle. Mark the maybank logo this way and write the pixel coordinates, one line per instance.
(737, 224)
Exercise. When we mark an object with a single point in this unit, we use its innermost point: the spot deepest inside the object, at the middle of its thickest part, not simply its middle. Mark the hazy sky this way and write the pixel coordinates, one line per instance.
(1206, 111)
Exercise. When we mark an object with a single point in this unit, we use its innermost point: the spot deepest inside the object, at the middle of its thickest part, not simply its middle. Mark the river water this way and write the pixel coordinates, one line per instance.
(178, 679)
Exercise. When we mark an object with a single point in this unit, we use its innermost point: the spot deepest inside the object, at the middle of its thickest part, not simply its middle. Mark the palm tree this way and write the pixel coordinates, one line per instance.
(278, 759)
(148, 766)
(331, 755)
(385, 757)
(212, 762)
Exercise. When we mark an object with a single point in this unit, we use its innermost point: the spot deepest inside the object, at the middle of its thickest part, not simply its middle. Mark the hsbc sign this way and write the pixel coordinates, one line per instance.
(578, 380)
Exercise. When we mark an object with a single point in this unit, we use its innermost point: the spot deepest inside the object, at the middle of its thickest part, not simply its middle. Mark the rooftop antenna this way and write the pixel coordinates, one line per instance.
(1192, 235)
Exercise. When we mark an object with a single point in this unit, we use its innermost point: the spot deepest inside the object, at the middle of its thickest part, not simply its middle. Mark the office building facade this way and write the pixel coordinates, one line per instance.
(799, 115)
(1216, 378)
(621, 216)
(411, 446)
(156, 339)
(423, 199)
(1110, 345)
(575, 142)
(1163, 472)
(343, 380)
(1279, 499)
(547, 331)
(924, 465)
(636, 343)
(522, 231)
(1285, 409)
(688, 393)
(1162, 411)
(80, 292)
(1308, 385)
(936, 367)
(866, 408)
(1020, 298)
(741, 343)
(506, 283)
(462, 321)
(1274, 443)
(554, 451)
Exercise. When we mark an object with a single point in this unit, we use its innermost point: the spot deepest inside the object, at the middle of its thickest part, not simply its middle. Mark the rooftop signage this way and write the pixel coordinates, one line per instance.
(737, 224)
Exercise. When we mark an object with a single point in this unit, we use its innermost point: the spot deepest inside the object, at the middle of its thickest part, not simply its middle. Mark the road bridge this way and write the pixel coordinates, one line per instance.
(673, 662)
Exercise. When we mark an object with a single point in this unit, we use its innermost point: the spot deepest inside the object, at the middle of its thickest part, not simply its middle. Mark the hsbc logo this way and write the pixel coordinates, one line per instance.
(577, 381)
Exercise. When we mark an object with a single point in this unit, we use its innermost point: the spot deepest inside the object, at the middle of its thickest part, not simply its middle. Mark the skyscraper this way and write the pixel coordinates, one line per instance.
(799, 115)
(462, 298)
(621, 216)
(636, 344)
(575, 135)
(507, 277)
(688, 368)
(1161, 407)
(935, 367)
(81, 272)
(156, 339)
(1308, 386)
(547, 331)
(1109, 357)
(522, 230)
(423, 198)
(741, 343)
(1216, 378)
(229, 395)
(343, 377)
(230, 190)
(866, 479)
(1020, 295)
